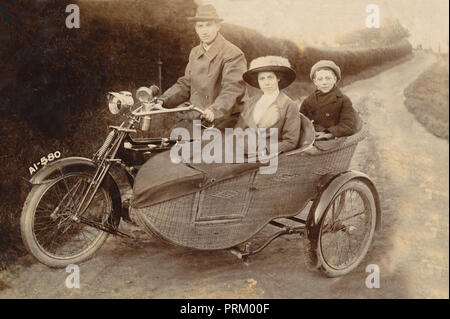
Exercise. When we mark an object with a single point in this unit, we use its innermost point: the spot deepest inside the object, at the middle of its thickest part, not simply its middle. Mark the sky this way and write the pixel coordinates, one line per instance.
(316, 21)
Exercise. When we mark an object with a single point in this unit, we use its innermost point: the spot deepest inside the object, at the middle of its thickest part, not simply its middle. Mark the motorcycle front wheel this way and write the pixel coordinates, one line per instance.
(48, 227)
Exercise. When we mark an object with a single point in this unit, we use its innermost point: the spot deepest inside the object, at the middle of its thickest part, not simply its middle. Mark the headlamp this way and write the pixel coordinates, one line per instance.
(117, 102)
(146, 94)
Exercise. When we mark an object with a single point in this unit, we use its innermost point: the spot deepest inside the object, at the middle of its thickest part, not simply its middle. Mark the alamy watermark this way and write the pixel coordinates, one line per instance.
(73, 19)
(73, 280)
(373, 280)
(235, 146)
(373, 19)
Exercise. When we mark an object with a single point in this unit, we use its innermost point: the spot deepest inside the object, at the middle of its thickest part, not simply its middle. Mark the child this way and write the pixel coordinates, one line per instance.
(331, 111)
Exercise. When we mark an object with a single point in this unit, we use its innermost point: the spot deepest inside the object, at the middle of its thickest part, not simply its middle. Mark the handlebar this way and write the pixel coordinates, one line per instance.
(189, 107)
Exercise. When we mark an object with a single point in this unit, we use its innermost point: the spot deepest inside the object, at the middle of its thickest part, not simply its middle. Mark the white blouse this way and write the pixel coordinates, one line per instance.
(263, 104)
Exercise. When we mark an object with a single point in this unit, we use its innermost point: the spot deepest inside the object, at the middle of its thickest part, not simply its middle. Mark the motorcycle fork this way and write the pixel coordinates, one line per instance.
(102, 170)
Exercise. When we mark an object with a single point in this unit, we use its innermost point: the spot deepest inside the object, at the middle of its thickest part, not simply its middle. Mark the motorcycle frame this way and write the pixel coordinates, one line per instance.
(106, 155)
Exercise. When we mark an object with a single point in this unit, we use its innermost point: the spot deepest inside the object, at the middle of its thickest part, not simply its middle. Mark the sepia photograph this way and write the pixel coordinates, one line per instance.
(224, 149)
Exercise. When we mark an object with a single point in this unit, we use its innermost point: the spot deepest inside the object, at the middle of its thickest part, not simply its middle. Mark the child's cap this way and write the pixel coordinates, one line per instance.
(326, 64)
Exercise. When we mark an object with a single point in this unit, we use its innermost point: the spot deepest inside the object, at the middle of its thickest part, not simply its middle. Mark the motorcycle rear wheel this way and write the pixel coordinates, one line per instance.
(48, 230)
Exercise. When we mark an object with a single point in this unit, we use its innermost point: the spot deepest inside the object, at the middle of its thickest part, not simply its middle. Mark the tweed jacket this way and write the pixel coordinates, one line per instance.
(334, 114)
(282, 114)
(213, 79)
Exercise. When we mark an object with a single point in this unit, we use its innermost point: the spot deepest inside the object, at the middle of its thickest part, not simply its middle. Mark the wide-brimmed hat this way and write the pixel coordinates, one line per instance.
(206, 12)
(276, 64)
(326, 64)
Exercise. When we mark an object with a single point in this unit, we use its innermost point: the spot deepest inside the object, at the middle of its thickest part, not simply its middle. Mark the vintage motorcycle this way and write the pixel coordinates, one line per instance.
(75, 203)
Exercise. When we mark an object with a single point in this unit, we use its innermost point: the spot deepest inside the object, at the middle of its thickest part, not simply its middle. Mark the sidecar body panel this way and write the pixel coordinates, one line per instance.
(159, 180)
(222, 213)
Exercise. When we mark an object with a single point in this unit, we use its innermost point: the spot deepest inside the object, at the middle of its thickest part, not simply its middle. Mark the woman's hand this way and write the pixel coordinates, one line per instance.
(323, 136)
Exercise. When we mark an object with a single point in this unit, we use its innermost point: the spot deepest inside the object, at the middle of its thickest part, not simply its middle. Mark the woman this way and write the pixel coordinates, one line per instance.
(272, 109)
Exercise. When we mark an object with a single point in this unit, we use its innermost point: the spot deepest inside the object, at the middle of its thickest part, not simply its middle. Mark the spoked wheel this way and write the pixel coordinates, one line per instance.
(345, 230)
(48, 228)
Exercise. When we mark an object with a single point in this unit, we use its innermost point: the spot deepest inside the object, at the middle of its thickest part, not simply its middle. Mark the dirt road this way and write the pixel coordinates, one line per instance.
(410, 169)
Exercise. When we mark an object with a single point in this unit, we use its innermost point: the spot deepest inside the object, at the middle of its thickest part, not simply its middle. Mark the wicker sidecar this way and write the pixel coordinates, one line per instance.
(202, 207)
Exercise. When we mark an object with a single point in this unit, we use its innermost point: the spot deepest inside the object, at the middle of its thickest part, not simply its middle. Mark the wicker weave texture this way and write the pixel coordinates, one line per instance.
(230, 212)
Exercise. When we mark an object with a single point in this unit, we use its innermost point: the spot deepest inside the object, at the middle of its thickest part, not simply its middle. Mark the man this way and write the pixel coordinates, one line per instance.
(213, 76)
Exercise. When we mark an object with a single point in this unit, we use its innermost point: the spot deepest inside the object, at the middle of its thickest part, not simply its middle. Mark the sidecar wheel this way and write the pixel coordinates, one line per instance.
(345, 231)
(48, 231)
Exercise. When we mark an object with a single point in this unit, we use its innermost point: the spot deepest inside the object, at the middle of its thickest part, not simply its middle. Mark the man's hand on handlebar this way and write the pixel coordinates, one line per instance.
(158, 105)
(208, 115)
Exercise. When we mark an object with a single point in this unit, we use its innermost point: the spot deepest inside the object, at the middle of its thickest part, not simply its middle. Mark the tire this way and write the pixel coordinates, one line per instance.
(345, 231)
(47, 228)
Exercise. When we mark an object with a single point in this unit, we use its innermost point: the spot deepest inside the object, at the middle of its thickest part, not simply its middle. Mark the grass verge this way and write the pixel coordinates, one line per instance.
(427, 98)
